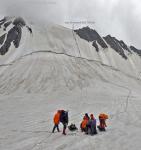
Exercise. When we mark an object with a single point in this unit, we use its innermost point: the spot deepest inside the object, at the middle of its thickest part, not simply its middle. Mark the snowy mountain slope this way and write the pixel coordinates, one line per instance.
(62, 40)
(54, 68)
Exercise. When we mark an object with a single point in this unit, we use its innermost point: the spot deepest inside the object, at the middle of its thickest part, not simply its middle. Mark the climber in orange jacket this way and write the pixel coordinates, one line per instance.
(56, 120)
(102, 121)
(84, 123)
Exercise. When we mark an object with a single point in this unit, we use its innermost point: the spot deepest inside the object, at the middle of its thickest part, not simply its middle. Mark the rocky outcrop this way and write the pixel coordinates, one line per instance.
(7, 24)
(124, 46)
(119, 46)
(13, 35)
(2, 21)
(95, 45)
(116, 45)
(91, 36)
(2, 38)
(135, 50)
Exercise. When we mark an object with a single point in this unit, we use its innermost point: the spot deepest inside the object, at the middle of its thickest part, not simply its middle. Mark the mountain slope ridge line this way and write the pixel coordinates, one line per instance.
(72, 56)
(53, 52)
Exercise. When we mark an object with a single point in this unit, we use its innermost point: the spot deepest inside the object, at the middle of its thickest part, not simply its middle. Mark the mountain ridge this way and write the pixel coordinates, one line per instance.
(119, 46)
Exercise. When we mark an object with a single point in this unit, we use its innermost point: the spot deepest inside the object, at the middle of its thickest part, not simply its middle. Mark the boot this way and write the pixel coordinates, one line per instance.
(64, 132)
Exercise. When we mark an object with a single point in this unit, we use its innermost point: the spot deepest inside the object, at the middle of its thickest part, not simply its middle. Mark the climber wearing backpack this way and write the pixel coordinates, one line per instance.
(56, 120)
(64, 120)
(102, 121)
(84, 123)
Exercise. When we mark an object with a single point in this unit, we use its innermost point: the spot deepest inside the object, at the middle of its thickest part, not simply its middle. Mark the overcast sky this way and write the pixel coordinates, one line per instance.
(120, 18)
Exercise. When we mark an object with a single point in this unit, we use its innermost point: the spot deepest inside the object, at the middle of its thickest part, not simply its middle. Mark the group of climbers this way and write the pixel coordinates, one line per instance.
(88, 124)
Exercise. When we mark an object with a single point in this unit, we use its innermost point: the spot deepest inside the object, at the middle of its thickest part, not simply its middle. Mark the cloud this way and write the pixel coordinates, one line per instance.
(125, 16)
(36, 10)
(115, 17)
(118, 18)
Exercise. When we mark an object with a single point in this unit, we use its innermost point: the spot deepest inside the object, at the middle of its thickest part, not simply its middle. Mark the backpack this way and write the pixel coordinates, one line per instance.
(64, 117)
(72, 127)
